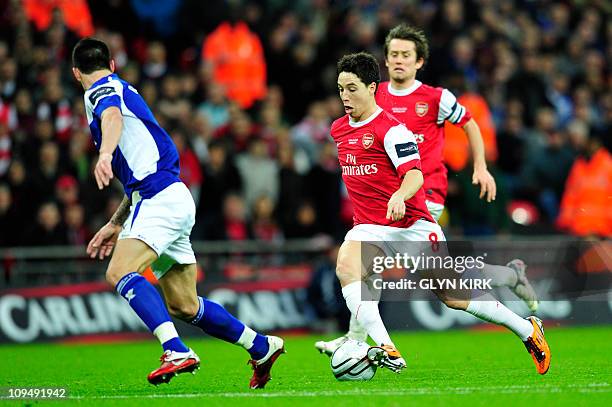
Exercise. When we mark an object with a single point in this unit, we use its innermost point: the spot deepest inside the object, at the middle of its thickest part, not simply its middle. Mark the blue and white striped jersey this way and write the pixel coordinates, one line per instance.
(146, 159)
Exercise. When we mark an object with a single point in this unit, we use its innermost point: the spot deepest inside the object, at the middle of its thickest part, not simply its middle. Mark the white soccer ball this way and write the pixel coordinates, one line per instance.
(350, 362)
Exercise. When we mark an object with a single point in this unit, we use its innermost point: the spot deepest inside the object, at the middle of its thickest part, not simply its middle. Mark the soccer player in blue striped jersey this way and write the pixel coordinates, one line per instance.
(152, 225)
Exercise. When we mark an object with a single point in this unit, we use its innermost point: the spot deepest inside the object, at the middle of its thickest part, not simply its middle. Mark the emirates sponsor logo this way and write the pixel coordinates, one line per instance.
(399, 109)
(362, 169)
(367, 140)
(421, 108)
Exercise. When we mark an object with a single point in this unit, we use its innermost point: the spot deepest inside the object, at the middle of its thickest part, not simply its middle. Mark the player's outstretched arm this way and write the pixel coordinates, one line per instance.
(102, 243)
(396, 207)
(112, 125)
(481, 175)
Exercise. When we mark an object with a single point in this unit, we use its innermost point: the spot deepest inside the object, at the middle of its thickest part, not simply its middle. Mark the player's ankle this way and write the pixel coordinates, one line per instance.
(260, 347)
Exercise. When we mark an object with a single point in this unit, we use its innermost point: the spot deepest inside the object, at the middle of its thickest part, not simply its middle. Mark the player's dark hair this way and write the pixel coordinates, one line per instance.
(90, 54)
(409, 33)
(363, 65)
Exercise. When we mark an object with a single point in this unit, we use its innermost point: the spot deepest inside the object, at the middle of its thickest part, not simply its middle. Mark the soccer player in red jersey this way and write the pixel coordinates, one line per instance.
(381, 167)
(424, 109)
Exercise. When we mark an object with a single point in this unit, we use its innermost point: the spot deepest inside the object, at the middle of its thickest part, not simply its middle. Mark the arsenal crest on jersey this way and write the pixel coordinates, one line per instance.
(420, 108)
(367, 140)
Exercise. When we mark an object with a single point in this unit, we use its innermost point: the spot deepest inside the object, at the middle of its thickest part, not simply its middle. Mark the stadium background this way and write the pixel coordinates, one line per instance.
(247, 91)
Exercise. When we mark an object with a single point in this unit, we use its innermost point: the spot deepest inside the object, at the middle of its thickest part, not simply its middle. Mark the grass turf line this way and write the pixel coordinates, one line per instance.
(454, 367)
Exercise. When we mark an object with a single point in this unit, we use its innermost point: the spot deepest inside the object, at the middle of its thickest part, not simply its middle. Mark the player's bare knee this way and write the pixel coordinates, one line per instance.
(347, 274)
(114, 274)
(182, 309)
(455, 303)
(120, 266)
(348, 268)
(451, 300)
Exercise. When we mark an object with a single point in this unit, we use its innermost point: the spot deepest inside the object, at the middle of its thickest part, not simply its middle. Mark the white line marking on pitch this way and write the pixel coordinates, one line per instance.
(587, 388)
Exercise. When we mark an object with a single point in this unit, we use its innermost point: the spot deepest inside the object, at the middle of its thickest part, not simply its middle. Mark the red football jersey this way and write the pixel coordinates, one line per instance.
(424, 109)
(374, 155)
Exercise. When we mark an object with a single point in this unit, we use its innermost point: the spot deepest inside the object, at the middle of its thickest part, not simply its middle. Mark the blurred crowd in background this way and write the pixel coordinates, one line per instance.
(247, 91)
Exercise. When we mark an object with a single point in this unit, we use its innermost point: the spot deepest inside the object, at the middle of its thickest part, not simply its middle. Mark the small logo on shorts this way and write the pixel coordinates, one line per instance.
(367, 140)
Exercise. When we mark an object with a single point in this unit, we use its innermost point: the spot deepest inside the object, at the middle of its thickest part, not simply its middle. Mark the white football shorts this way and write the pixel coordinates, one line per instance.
(164, 223)
(422, 238)
(435, 209)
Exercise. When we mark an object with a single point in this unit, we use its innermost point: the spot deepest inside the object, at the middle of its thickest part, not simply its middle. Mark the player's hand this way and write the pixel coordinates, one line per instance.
(483, 177)
(103, 170)
(102, 243)
(396, 207)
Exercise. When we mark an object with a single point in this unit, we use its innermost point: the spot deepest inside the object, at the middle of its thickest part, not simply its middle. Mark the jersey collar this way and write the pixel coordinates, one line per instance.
(404, 92)
(366, 121)
(103, 80)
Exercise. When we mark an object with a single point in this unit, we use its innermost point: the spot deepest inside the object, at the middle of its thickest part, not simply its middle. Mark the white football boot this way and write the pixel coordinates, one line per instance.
(172, 364)
(330, 347)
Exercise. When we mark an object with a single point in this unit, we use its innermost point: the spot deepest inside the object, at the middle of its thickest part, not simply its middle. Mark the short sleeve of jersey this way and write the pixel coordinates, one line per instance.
(450, 109)
(104, 97)
(401, 147)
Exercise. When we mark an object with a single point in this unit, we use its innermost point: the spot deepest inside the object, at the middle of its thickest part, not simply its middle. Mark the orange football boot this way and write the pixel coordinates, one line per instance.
(387, 356)
(538, 347)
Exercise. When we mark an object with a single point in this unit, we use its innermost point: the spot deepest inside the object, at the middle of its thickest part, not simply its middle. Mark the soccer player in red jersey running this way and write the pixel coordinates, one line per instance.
(424, 109)
(381, 168)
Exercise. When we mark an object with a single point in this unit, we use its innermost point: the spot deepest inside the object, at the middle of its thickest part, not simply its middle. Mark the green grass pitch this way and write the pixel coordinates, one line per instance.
(446, 368)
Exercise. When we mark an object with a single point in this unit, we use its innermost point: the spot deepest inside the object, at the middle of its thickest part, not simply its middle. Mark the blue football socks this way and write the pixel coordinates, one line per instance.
(149, 306)
(216, 321)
